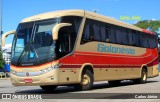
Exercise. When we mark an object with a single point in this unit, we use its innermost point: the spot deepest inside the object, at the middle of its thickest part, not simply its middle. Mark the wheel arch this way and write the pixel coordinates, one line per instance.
(141, 79)
(84, 67)
(144, 66)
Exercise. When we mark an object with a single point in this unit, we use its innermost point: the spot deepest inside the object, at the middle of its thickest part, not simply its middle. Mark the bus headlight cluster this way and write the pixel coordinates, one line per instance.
(50, 68)
(13, 72)
(56, 66)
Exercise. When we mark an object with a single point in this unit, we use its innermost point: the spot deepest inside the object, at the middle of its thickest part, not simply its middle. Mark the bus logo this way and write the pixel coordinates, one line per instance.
(27, 74)
(118, 50)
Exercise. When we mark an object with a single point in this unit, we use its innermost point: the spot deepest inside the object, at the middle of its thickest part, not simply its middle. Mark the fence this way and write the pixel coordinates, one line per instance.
(4, 75)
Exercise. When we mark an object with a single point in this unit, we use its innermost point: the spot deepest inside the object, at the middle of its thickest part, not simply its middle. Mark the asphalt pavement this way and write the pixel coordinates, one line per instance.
(127, 91)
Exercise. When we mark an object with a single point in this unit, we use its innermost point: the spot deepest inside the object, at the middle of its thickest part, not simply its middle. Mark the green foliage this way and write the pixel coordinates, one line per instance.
(152, 25)
(2, 62)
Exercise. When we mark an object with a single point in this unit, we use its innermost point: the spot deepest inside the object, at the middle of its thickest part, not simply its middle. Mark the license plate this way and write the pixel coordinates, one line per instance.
(28, 80)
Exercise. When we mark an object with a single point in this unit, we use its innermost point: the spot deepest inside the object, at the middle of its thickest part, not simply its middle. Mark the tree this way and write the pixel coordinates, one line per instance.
(2, 62)
(152, 25)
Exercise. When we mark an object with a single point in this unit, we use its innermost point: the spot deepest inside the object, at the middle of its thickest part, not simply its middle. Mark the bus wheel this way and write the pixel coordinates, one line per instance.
(114, 83)
(143, 78)
(86, 81)
(49, 88)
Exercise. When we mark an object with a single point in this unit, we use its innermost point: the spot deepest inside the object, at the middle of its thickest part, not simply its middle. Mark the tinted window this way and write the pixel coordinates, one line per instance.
(152, 41)
(138, 42)
(67, 35)
(86, 33)
(141, 39)
(145, 43)
(130, 38)
(99, 31)
(94, 31)
(134, 37)
(125, 37)
(104, 33)
(112, 35)
(119, 36)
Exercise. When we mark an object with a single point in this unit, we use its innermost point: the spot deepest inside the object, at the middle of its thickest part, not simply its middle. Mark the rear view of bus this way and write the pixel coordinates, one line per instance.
(54, 49)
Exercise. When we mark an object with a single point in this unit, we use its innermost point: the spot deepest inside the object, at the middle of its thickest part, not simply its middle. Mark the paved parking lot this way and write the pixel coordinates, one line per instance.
(113, 93)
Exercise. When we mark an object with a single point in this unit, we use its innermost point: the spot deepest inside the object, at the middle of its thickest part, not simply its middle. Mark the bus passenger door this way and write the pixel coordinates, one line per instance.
(65, 46)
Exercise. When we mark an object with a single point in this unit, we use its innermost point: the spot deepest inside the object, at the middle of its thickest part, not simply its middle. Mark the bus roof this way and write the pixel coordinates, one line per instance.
(83, 13)
(54, 14)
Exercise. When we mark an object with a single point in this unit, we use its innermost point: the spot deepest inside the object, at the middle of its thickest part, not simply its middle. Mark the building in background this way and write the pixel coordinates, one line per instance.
(7, 53)
(0, 22)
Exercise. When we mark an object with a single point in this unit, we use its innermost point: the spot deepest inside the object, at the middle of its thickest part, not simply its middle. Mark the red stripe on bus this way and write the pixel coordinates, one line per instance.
(154, 62)
(70, 66)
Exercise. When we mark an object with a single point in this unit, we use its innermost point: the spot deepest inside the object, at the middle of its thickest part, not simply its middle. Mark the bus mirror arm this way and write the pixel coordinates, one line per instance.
(5, 35)
(56, 29)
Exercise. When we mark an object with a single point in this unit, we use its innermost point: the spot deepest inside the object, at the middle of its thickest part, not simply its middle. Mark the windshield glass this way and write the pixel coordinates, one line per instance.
(43, 42)
(33, 43)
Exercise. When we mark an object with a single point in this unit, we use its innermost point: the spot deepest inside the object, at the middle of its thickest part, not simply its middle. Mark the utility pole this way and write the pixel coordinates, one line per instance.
(1, 4)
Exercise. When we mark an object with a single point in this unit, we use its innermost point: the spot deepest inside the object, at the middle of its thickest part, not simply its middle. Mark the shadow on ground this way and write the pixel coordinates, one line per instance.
(66, 89)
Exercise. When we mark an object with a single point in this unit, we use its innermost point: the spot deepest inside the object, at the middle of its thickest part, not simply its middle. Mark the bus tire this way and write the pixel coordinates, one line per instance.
(114, 83)
(49, 88)
(143, 78)
(87, 80)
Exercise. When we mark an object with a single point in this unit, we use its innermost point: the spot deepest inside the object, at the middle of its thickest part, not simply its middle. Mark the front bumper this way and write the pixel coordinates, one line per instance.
(49, 78)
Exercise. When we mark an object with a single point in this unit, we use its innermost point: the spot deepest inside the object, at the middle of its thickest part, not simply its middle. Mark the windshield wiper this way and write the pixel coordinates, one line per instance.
(21, 56)
(27, 50)
(37, 59)
(23, 53)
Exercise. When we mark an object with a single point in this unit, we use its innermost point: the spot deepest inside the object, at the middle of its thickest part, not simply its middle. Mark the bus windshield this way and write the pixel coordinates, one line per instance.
(33, 43)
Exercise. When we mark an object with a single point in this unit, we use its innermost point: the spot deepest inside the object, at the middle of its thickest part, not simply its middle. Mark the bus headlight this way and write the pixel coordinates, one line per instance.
(56, 66)
(50, 68)
(13, 72)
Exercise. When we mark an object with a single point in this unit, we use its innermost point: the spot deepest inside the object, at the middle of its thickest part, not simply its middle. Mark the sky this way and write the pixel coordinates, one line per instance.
(16, 10)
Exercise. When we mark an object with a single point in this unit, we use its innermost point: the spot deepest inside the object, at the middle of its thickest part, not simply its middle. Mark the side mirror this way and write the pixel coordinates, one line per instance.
(5, 35)
(56, 29)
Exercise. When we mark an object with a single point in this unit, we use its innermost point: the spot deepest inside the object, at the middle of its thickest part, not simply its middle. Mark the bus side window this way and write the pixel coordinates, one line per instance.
(146, 41)
(141, 37)
(104, 33)
(138, 43)
(96, 28)
(91, 32)
(130, 38)
(86, 34)
(125, 37)
(152, 41)
(119, 36)
(112, 35)
(107, 32)
(134, 38)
